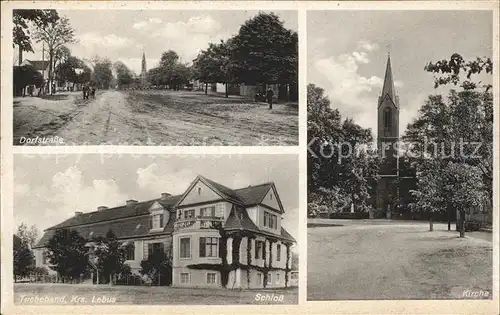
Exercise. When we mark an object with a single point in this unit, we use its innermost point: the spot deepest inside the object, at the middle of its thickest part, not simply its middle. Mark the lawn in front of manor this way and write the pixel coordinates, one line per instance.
(87, 294)
(382, 259)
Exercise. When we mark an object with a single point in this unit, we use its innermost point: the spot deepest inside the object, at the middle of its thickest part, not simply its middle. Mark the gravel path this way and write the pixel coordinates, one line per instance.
(156, 118)
(395, 261)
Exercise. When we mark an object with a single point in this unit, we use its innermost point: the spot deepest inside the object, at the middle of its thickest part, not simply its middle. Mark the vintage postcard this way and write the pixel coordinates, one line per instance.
(250, 157)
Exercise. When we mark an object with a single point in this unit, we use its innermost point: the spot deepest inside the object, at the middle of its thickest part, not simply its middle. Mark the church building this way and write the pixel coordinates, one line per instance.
(392, 192)
(387, 137)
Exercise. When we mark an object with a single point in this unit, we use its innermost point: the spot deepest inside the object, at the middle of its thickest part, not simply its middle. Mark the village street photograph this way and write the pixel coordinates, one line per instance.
(400, 155)
(155, 77)
(156, 229)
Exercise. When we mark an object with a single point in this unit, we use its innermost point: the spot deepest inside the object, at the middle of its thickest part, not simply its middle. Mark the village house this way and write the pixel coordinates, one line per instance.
(281, 91)
(40, 66)
(216, 236)
(284, 92)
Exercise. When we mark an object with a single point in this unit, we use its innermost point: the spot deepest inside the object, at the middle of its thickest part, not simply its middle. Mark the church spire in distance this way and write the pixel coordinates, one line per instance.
(143, 76)
(388, 88)
(143, 68)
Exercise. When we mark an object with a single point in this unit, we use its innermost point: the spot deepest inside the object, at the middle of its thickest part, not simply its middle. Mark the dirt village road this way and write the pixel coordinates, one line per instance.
(154, 117)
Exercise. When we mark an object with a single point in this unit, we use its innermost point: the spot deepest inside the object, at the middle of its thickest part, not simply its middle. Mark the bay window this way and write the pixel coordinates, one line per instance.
(209, 246)
(259, 249)
(185, 247)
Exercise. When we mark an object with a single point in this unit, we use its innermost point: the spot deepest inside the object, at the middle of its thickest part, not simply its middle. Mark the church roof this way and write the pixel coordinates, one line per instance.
(388, 88)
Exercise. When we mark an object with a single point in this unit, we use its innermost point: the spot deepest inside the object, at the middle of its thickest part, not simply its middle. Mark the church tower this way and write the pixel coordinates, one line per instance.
(387, 137)
(143, 71)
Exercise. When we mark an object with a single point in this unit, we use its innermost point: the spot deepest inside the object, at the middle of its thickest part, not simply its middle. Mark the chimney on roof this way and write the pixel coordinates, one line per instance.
(131, 202)
(77, 213)
(101, 208)
(165, 195)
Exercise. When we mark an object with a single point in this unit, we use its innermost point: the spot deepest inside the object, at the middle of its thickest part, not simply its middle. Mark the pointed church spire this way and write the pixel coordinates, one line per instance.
(143, 62)
(388, 88)
(143, 76)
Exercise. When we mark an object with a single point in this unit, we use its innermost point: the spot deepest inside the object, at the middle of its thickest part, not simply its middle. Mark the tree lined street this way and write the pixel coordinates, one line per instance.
(169, 103)
(155, 118)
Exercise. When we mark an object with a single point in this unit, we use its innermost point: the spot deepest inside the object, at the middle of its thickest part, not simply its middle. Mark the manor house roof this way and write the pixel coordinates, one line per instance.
(132, 220)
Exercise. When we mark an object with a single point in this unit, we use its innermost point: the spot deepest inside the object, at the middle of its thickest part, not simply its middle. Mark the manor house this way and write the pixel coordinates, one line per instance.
(215, 235)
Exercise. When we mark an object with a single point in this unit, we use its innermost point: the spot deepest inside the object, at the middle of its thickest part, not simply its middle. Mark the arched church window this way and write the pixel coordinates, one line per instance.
(387, 118)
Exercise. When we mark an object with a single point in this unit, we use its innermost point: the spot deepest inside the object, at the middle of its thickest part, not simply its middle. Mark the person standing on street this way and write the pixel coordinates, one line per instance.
(85, 91)
(269, 97)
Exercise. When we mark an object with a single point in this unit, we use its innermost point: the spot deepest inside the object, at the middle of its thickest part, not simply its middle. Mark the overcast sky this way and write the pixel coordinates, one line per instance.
(123, 34)
(347, 54)
(50, 188)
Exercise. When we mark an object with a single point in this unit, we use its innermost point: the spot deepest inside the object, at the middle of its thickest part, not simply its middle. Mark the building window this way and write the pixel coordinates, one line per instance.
(221, 207)
(185, 247)
(259, 279)
(208, 246)
(157, 221)
(208, 212)
(199, 190)
(259, 249)
(270, 220)
(184, 277)
(277, 278)
(387, 118)
(278, 252)
(211, 278)
(45, 259)
(271, 196)
(130, 253)
(155, 248)
(270, 278)
(189, 214)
